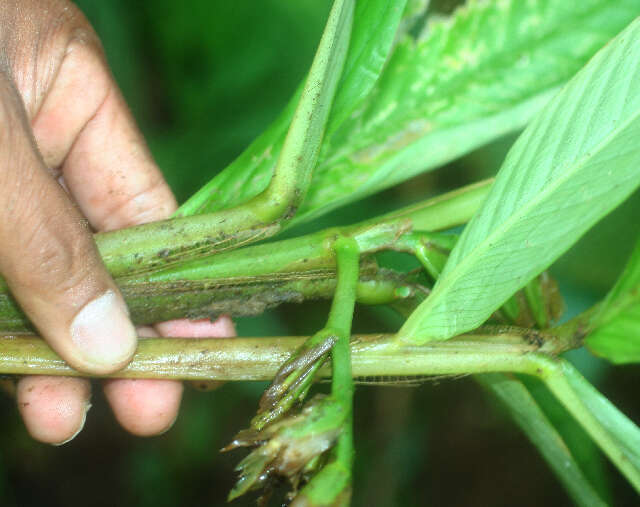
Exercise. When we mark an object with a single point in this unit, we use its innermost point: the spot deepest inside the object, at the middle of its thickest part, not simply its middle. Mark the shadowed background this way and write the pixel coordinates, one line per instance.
(204, 78)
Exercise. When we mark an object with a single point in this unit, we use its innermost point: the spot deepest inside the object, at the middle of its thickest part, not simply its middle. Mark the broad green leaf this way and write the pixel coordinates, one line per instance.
(577, 161)
(531, 418)
(373, 35)
(617, 327)
(470, 79)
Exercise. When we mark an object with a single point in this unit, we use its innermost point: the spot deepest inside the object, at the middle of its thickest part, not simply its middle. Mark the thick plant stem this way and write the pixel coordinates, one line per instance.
(446, 210)
(249, 280)
(144, 248)
(372, 357)
(156, 301)
(315, 251)
(259, 358)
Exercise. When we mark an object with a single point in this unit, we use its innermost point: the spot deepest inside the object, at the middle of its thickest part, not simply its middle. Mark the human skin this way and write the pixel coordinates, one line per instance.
(72, 162)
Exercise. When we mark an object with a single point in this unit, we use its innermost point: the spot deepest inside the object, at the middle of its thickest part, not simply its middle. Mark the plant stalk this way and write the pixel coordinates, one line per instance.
(565, 382)
(340, 318)
(249, 280)
(234, 359)
(146, 247)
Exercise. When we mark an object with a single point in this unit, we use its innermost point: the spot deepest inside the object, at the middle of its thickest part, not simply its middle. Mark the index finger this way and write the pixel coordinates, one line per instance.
(84, 127)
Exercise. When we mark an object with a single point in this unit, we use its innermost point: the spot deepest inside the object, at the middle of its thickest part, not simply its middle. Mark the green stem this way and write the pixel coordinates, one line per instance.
(146, 247)
(571, 334)
(340, 319)
(297, 374)
(444, 211)
(259, 358)
(439, 213)
(315, 251)
(562, 379)
(151, 302)
(252, 279)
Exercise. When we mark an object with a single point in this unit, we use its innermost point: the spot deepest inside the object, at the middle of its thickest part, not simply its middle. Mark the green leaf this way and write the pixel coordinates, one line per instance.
(530, 416)
(373, 35)
(470, 79)
(617, 326)
(577, 161)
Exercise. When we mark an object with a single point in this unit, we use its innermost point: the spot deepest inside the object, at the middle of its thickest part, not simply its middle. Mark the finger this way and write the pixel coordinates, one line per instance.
(110, 173)
(84, 126)
(144, 407)
(49, 259)
(222, 327)
(53, 408)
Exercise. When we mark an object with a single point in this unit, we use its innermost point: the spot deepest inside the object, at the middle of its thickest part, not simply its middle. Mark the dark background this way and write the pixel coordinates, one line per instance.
(203, 78)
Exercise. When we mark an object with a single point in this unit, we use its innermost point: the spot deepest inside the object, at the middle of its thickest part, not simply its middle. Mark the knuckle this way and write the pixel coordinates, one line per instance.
(61, 23)
(85, 57)
(35, 41)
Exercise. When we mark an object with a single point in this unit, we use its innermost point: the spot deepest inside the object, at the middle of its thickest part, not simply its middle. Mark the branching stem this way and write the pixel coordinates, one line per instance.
(144, 248)
(259, 358)
(340, 319)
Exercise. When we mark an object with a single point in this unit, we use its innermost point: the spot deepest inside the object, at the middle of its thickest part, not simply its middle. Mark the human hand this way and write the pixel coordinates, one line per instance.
(63, 120)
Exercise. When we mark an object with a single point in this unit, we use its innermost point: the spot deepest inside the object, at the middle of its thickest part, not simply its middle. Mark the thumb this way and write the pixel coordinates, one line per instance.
(49, 259)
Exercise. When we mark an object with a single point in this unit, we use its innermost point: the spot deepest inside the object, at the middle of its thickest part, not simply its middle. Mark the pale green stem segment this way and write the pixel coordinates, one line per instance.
(315, 251)
(332, 484)
(373, 356)
(340, 319)
(573, 391)
(259, 358)
(444, 211)
(143, 248)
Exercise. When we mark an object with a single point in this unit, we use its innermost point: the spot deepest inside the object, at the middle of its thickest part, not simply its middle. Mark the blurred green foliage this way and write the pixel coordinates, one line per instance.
(203, 78)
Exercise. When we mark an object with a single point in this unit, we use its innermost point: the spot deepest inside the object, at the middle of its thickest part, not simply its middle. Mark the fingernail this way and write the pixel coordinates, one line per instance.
(80, 428)
(102, 332)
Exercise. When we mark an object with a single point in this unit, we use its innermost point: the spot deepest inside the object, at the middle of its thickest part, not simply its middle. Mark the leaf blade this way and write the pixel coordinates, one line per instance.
(555, 184)
(360, 159)
(528, 414)
(478, 75)
(616, 334)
